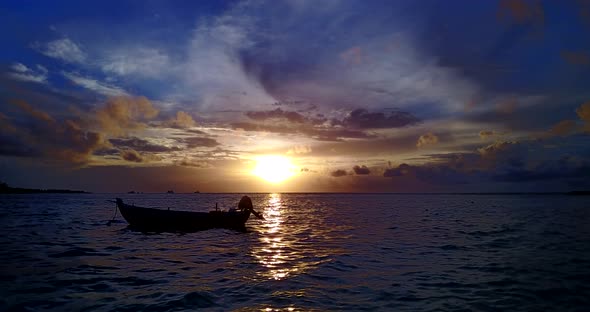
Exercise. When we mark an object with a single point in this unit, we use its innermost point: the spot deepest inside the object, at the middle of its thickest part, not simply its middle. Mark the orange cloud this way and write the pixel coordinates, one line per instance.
(584, 113)
(563, 128)
(507, 106)
(124, 113)
(484, 134)
(181, 120)
(522, 12)
(427, 139)
(35, 113)
(576, 57)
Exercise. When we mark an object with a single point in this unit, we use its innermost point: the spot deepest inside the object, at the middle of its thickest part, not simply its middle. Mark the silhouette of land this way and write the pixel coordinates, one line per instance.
(5, 189)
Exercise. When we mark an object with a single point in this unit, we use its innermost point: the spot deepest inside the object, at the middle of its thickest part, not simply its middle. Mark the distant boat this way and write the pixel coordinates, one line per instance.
(170, 192)
(131, 192)
(160, 220)
(196, 192)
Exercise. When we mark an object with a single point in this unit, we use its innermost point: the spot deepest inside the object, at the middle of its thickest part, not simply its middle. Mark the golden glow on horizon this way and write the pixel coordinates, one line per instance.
(274, 169)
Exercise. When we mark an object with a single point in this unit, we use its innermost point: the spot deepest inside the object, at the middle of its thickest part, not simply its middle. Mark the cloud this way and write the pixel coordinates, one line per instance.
(131, 155)
(33, 112)
(504, 151)
(563, 128)
(181, 120)
(361, 170)
(338, 173)
(141, 145)
(140, 61)
(576, 57)
(427, 139)
(498, 162)
(95, 85)
(507, 105)
(193, 142)
(194, 163)
(545, 171)
(522, 12)
(278, 113)
(123, 113)
(39, 134)
(63, 49)
(584, 113)
(299, 149)
(318, 133)
(24, 73)
(357, 69)
(509, 161)
(320, 128)
(401, 170)
(212, 72)
(362, 119)
(484, 134)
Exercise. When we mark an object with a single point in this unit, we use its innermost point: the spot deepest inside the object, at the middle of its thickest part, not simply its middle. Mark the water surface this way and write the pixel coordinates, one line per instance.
(313, 252)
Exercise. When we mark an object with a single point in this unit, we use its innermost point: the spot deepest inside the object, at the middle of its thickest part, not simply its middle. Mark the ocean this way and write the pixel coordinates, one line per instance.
(318, 252)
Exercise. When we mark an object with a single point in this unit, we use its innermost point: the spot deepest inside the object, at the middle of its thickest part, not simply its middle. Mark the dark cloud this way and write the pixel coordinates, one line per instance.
(376, 146)
(13, 146)
(131, 155)
(551, 170)
(141, 145)
(36, 133)
(278, 113)
(107, 152)
(318, 133)
(363, 119)
(338, 173)
(435, 174)
(193, 142)
(319, 128)
(193, 163)
(510, 161)
(361, 170)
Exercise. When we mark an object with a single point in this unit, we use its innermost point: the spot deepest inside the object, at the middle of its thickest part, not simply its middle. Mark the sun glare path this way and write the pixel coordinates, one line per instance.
(274, 169)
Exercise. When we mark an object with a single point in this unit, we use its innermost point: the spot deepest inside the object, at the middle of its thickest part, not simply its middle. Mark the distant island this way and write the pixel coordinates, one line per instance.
(5, 189)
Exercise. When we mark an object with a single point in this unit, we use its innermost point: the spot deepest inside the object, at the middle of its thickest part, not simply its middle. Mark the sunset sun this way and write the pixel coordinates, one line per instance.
(274, 169)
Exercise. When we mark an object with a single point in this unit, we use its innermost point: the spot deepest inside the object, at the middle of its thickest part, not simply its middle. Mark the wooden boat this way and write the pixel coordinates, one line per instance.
(160, 220)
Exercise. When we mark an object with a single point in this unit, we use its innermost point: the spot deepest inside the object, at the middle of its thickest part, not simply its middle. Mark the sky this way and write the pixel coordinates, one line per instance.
(349, 96)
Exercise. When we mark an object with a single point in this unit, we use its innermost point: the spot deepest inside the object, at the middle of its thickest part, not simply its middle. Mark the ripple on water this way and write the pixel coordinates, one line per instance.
(314, 252)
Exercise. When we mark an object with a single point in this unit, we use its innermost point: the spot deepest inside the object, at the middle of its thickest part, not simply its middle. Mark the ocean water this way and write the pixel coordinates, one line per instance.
(321, 252)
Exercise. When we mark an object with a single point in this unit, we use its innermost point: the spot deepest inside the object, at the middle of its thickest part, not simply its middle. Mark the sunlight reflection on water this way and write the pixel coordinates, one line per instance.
(313, 251)
(271, 251)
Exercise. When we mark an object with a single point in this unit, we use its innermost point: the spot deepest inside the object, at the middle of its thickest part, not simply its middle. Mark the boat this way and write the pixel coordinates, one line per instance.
(160, 220)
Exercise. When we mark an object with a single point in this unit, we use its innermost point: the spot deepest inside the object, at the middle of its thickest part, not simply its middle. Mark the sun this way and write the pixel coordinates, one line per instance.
(274, 169)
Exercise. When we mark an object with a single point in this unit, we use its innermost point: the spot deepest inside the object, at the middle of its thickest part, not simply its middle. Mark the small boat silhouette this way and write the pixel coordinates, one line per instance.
(159, 220)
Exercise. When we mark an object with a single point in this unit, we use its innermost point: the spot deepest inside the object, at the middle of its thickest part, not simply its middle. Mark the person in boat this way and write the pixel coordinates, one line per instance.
(245, 203)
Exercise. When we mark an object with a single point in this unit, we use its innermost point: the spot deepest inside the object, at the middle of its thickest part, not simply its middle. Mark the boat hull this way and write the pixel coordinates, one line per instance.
(159, 220)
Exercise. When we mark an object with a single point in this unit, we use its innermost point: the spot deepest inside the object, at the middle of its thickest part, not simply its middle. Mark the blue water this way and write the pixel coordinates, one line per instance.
(313, 252)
